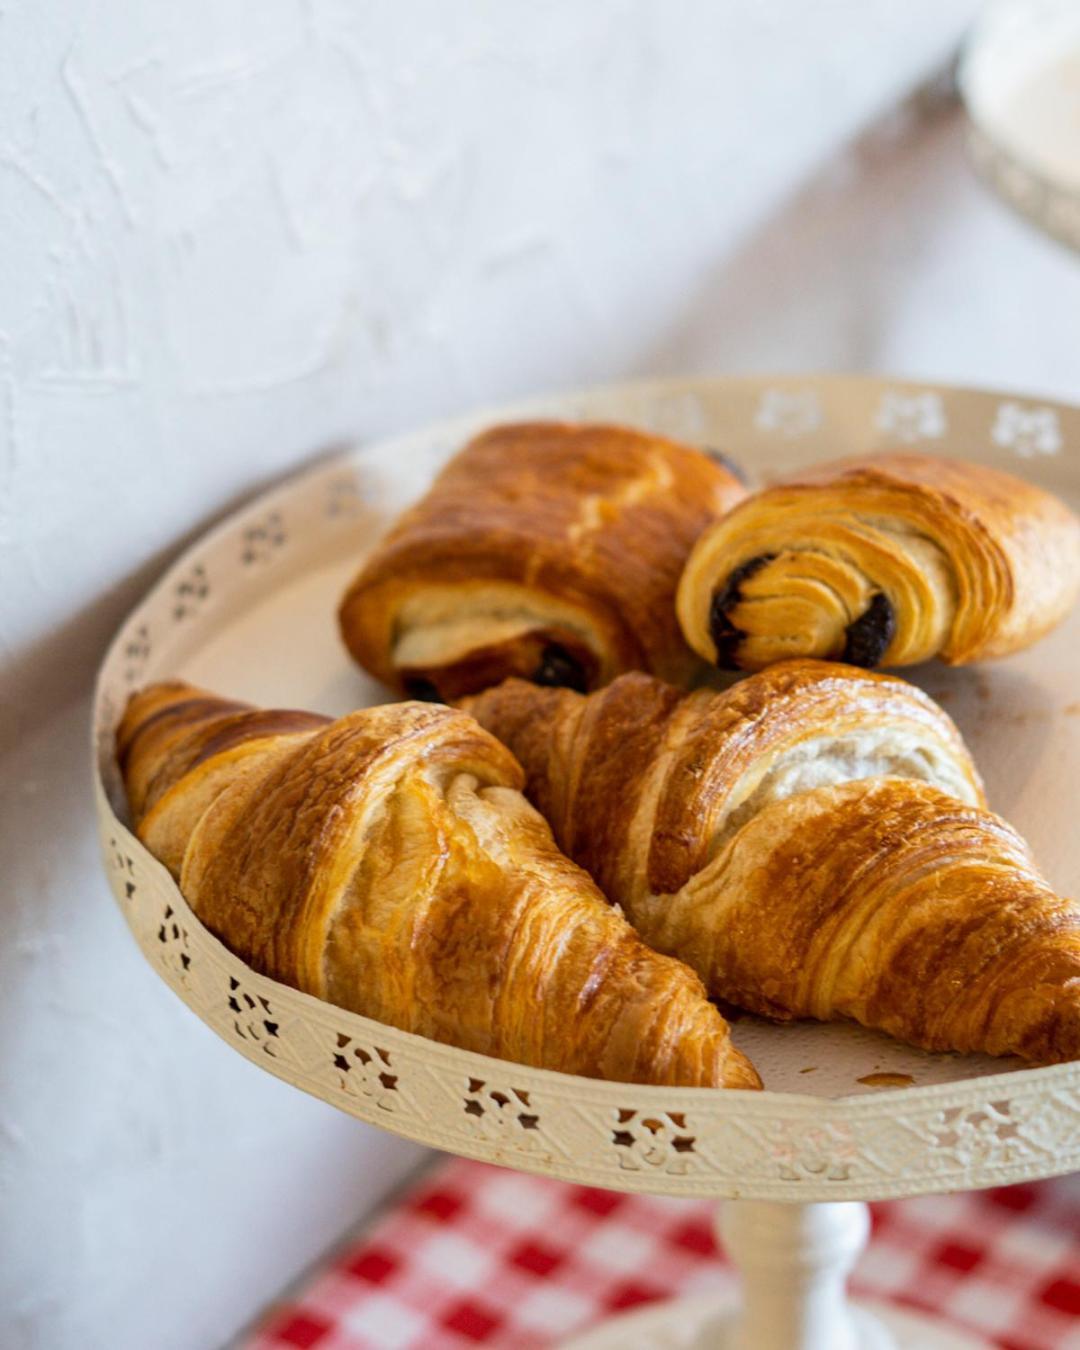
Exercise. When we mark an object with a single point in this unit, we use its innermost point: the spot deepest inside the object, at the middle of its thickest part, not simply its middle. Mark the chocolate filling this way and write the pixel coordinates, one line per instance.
(725, 461)
(558, 667)
(419, 688)
(722, 631)
(869, 636)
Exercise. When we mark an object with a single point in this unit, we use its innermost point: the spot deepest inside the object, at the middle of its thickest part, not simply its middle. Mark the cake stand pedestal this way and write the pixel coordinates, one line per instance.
(794, 1261)
(848, 1115)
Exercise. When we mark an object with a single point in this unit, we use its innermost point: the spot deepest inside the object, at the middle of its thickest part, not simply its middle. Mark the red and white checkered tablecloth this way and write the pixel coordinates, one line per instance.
(478, 1255)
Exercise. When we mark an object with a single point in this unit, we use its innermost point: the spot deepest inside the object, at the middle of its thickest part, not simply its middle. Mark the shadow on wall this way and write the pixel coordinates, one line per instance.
(820, 275)
(824, 283)
(39, 679)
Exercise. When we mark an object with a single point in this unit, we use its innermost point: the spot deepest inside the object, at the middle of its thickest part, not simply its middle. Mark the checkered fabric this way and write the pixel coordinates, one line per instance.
(477, 1255)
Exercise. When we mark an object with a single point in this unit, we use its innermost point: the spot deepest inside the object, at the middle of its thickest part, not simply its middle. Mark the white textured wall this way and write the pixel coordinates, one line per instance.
(231, 234)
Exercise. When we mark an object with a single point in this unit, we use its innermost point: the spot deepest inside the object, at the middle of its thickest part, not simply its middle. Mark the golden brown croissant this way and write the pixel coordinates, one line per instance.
(813, 842)
(882, 561)
(545, 550)
(387, 862)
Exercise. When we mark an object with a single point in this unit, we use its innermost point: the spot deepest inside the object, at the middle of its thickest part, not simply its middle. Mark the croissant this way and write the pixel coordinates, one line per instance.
(814, 843)
(545, 550)
(882, 561)
(387, 862)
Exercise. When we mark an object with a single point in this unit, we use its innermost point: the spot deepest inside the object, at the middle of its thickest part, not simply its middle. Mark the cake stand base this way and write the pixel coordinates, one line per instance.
(710, 1322)
(794, 1261)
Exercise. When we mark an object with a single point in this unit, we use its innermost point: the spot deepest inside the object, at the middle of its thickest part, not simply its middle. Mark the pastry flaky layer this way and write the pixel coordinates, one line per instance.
(545, 550)
(885, 560)
(814, 843)
(388, 862)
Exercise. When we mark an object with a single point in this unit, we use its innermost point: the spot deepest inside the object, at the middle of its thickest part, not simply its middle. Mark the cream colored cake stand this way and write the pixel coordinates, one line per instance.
(1015, 46)
(847, 1115)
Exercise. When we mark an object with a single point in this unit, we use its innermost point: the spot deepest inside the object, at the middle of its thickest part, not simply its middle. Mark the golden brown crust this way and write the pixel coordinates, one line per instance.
(538, 536)
(887, 902)
(790, 840)
(388, 862)
(640, 781)
(891, 558)
(170, 728)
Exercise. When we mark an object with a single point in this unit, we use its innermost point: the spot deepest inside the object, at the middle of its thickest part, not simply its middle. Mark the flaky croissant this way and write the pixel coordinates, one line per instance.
(813, 842)
(387, 862)
(545, 550)
(882, 561)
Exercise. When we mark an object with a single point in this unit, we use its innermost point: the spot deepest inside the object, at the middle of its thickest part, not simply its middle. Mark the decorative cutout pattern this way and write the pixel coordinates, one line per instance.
(261, 541)
(821, 1153)
(365, 1073)
(503, 1115)
(136, 651)
(342, 497)
(124, 867)
(911, 417)
(991, 1132)
(788, 412)
(190, 593)
(984, 1131)
(1028, 431)
(660, 1140)
(175, 955)
(680, 415)
(253, 1019)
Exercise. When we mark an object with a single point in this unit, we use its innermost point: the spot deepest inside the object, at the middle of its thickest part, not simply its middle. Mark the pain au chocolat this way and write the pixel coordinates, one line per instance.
(886, 560)
(547, 550)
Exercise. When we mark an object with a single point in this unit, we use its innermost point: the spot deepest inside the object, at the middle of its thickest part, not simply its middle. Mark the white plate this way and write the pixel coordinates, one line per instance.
(249, 611)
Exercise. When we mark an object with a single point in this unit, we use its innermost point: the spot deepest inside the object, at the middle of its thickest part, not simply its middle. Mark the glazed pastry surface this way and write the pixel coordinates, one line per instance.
(388, 862)
(814, 842)
(546, 550)
(890, 903)
(886, 560)
(642, 782)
